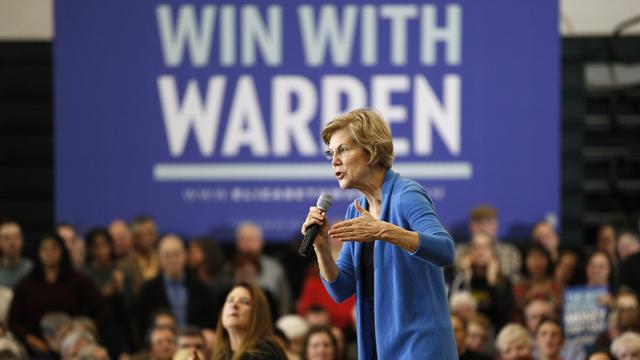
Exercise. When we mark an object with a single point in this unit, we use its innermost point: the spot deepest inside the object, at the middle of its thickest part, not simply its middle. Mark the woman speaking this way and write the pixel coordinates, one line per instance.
(394, 247)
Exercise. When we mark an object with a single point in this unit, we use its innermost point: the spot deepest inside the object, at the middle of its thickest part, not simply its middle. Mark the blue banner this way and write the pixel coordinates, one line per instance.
(205, 114)
(584, 314)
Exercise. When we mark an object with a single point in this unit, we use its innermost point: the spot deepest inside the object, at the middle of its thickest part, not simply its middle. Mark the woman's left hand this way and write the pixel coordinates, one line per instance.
(364, 228)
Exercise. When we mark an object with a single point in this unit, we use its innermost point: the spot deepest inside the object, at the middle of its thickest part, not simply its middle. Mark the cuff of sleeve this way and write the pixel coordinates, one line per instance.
(327, 281)
(421, 250)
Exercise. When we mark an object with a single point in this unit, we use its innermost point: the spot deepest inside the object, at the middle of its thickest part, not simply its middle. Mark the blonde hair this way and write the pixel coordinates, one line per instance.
(625, 341)
(368, 130)
(260, 328)
(510, 333)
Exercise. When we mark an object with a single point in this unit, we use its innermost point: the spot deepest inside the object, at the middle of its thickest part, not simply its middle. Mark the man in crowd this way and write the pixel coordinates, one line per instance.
(249, 239)
(122, 240)
(143, 264)
(13, 267)
(161, 344)
(534, 312)
(184, 294)
(191, 337)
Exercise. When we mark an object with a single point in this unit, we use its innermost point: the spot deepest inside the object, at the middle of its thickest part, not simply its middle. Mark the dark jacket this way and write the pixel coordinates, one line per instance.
(153, 297)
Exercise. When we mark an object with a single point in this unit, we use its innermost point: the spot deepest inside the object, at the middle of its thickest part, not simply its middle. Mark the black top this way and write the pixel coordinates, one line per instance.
(266, 350)
(366, 264)
(472, 355)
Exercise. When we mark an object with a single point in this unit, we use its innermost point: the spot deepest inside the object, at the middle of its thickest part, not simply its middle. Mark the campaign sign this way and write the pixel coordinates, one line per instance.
(584, 316)
(204, 114)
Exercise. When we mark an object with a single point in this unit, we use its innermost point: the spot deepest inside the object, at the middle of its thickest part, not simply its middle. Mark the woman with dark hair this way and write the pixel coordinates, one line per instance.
(115, 286)
(538, 282)
(52, 286)
(320, 344)
(205, 259)
(102, 268)
(568, 269)
(245, 329)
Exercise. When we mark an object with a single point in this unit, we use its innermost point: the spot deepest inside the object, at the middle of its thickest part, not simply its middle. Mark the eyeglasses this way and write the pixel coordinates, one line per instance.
(342, 151)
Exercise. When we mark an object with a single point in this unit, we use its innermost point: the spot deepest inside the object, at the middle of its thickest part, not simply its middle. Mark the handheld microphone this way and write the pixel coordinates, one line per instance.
(324, 203)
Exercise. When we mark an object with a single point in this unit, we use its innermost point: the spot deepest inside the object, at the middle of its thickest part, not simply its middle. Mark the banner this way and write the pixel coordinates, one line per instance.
(585, 318)
(206, 114)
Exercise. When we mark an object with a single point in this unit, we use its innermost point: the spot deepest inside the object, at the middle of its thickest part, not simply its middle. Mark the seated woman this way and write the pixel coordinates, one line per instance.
(53, 286)
(549, 339)
(245, 329)
(320, 344)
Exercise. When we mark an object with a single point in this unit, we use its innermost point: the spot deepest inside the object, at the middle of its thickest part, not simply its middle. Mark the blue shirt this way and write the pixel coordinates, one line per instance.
(411, 312)
(178, 297)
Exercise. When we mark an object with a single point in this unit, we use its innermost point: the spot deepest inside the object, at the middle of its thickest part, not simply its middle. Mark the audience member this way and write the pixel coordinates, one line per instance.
(479, 332)
(549, 339)
(142, 265)
(75, 341)
(295, 328)
(606, 242)
(537, 282)
(513, 343)
(545, 234)
(176, 289)
(244, 327)
(115, 286)
(599, 271)
(628, 244)
(205, 260)
(568, 271)
(249, 239)
(463, 304)
(627, 346)
(52, 286)
(190, 337)
(484, 220)
(460, 332)
(539, 309)
(54, 327)
(163, 318)
(13, 267)
(75, 245)
(161, 343)
(320, 344)
(122, 239)
(480, 275)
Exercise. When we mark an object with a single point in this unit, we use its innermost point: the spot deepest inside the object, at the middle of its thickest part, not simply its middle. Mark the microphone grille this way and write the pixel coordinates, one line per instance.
(324, 201)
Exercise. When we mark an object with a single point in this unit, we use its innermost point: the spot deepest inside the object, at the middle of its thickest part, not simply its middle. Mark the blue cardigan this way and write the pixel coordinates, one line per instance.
(411, 313)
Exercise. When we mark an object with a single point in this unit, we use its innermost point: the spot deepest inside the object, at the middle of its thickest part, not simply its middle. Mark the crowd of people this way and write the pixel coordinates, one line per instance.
(127, 291)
